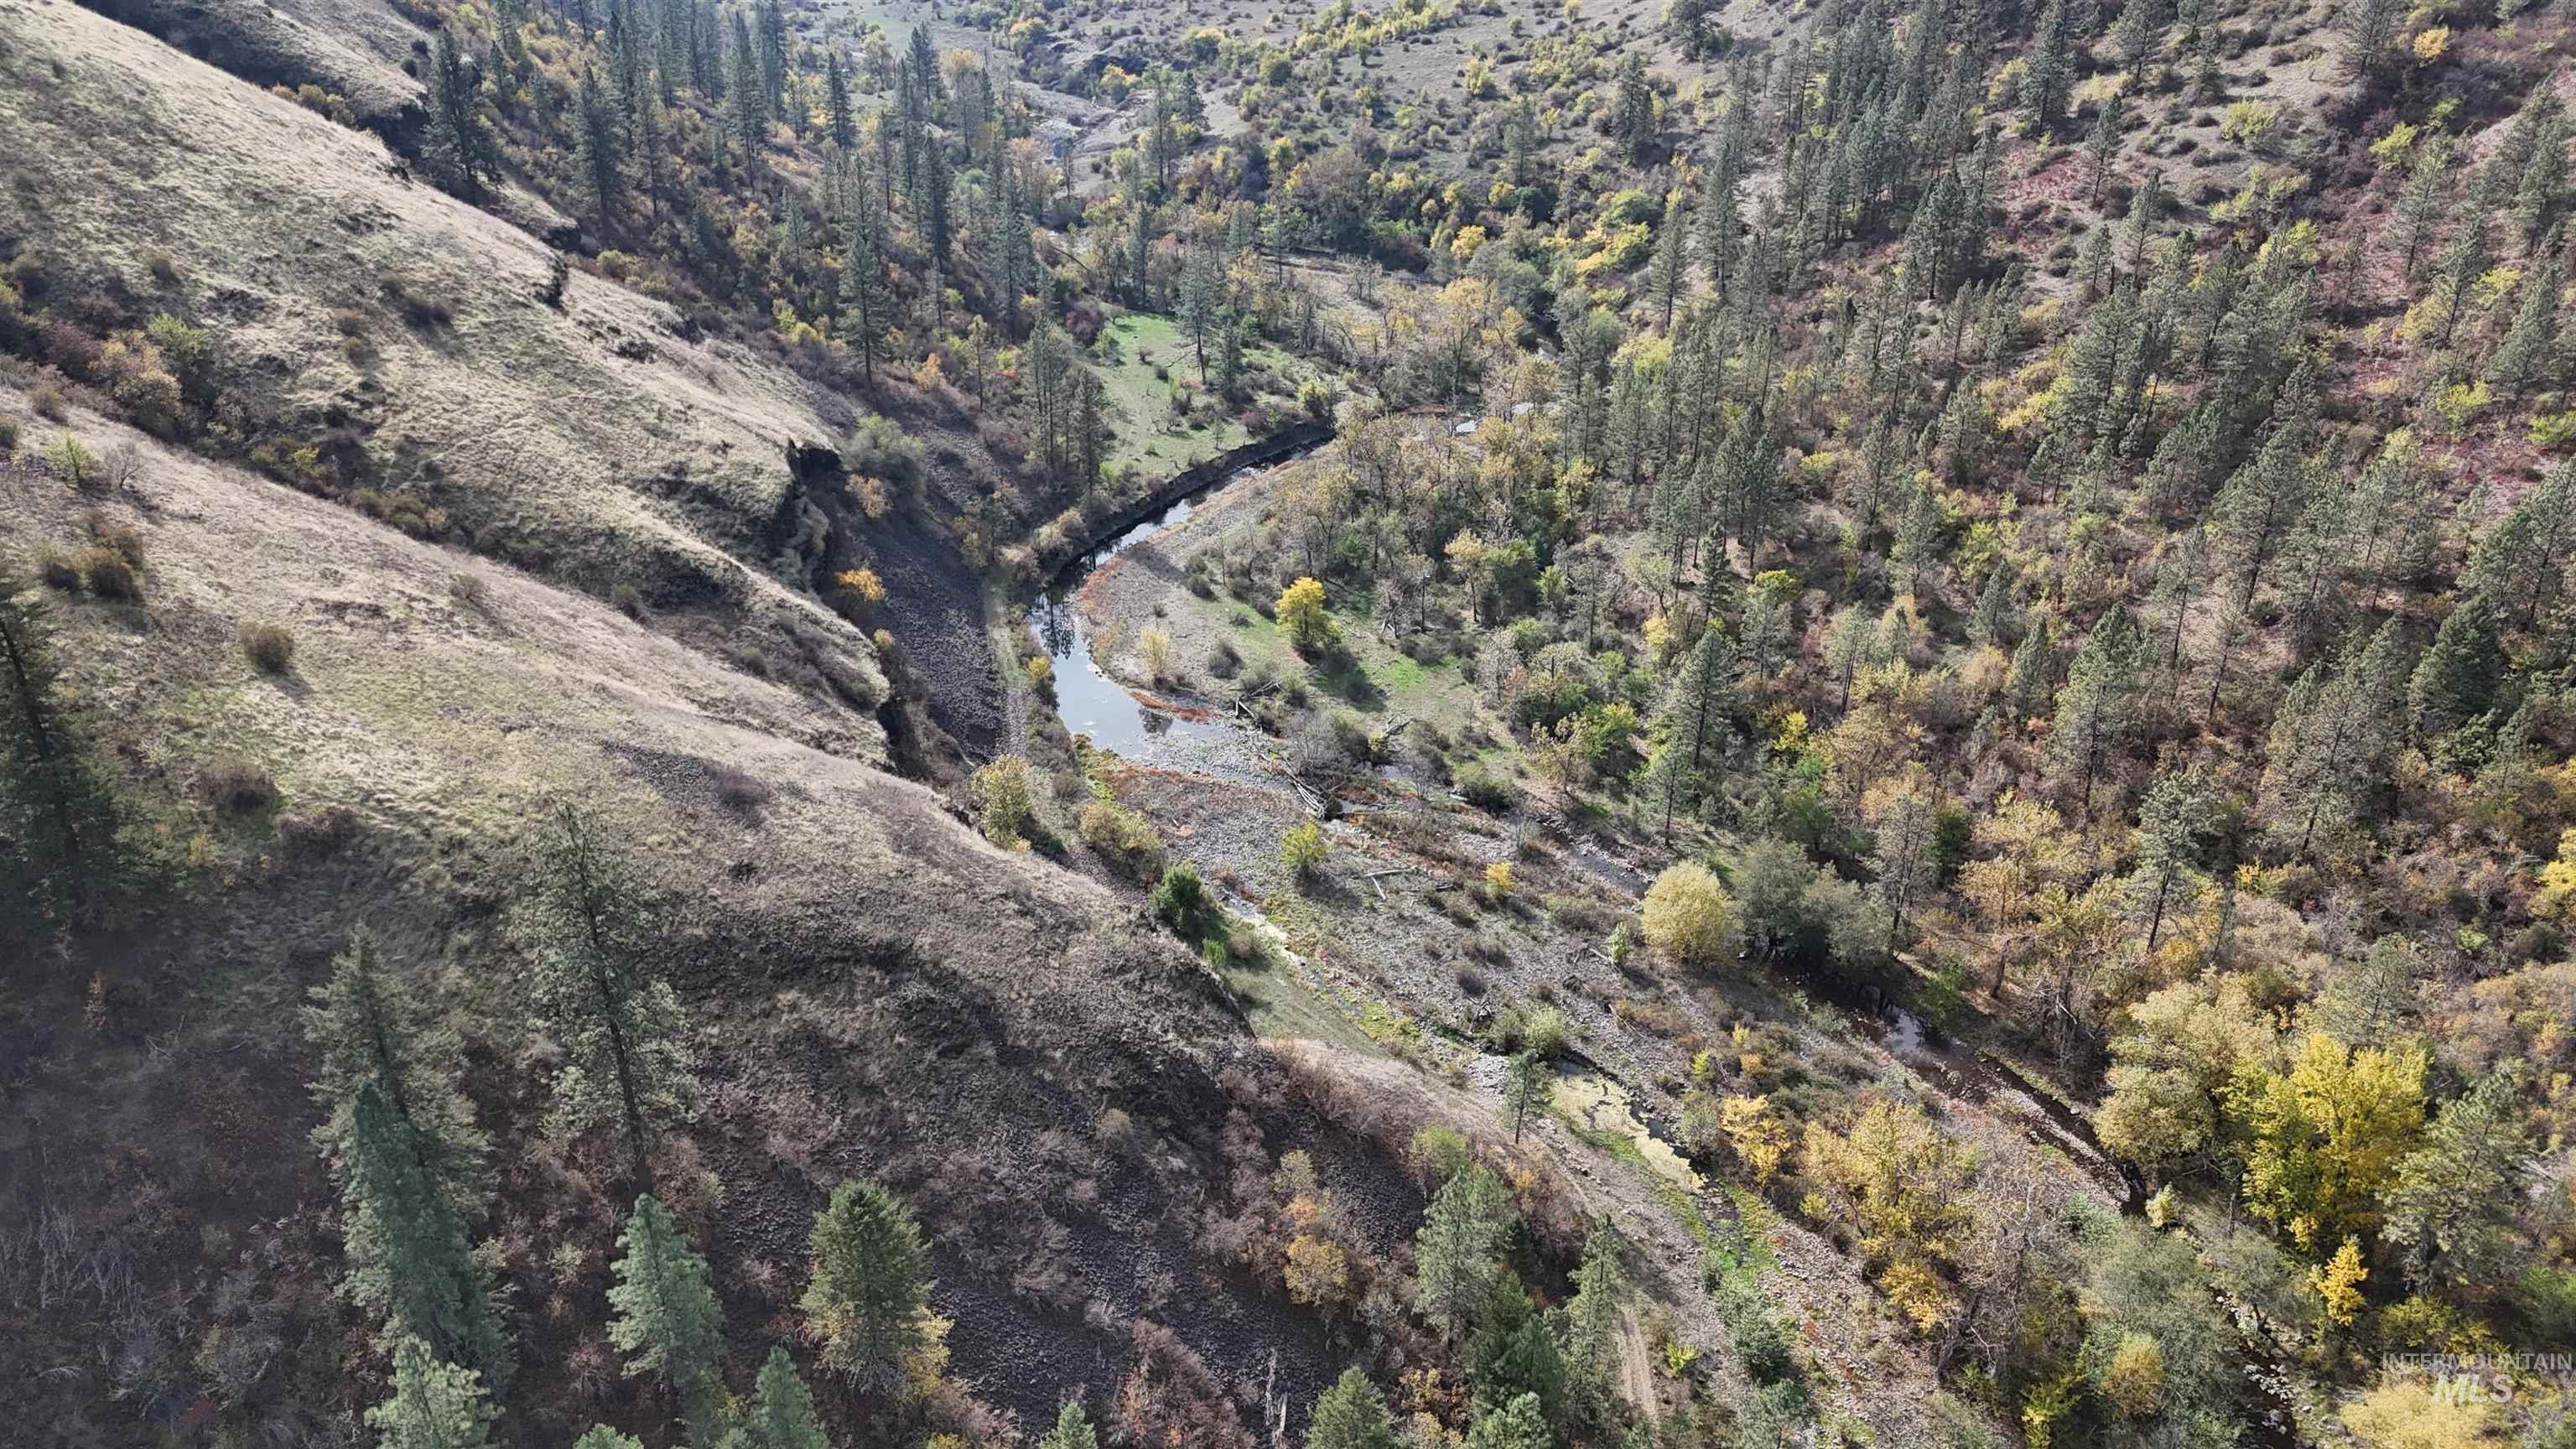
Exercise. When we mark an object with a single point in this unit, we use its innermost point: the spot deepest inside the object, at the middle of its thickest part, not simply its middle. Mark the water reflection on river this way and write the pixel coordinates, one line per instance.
(1090, 701)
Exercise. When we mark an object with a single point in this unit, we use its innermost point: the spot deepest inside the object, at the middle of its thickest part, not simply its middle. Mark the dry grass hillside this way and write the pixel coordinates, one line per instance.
(398, 333)
(858, 964)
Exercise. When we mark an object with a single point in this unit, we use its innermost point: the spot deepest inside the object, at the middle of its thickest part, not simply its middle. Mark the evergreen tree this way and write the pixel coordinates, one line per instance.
(2370, 30)
(2457, 679)
(2102, 146)
(665, 1319)
(782, 1409)
(2451, 1209)
(1072, 1429)
(2520, 564)
(2181, 811)
(2050, 77)
(836, 101)
(1526, 1089)
(435, 1405)
(2331, 739)
(623, 1032)
(866, 301)
(1594, 1317)
(406, 1243)
(1352, 1415)
(2530, 345)
(374, 1022)
(1991, 621)
(1918, 541)
(1458, 1252)
(1693, 719)
(2096, 710)
(868, 1300)
(460, 151)
(751, 110)
(1519, 1424)
(1672, 260)
(596, 145)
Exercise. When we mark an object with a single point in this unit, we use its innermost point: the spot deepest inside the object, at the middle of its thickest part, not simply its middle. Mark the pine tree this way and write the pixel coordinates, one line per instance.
(1672, 260)
(2457, 679)
(2103, 145)
(2180, 811)
(1198, 303)
(2370, 29)
(866, 301)
(460, 151)
(2051, 74)
(1918, 541)
(836, 101)
(597, 146)
(1526, 1089)
(410, 1260)
(868, 1300)
(782, 1409)
(1520, 1424)
(2520, 564)
(435, 1405)
(666, 1320)
(621, 1027)
(1352, 1415)
(1457, 1253)
(2540, 197)
(1594, 1318)
(2529, 346)
(2451, 1208)
(2330, 742)
(750, 98)
(1693, 718)
(1991, 622)
(373, 1021)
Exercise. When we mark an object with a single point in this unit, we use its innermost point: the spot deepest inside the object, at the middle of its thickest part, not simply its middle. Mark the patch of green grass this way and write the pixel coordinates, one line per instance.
(1149, 438)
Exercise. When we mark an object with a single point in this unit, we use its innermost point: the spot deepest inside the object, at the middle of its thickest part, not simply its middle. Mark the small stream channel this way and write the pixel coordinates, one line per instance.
(1089, 701)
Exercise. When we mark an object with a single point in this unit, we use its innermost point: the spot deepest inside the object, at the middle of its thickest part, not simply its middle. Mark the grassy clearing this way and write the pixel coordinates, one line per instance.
(1150, 437)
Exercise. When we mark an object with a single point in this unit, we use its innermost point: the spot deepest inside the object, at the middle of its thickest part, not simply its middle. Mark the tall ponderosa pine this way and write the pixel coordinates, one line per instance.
(2457, 679)
(435, 1404)
(868, 1301)
(1073, 1428)
(2180, 812)
(1352, 1415)
(2331, 740)
(460, 151)
(410, 1260)
(602, 996)
(2096, 710)
(782, 1409)
(665, 1319)
(1594, 1317)
(376, 1021)
(1458, 1251)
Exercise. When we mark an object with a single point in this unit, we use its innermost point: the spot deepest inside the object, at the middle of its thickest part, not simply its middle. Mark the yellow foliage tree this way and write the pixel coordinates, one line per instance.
(1301, 613)
(2327, 1136)
(2338, 1283)
(1759, 1137)
(1689, 914)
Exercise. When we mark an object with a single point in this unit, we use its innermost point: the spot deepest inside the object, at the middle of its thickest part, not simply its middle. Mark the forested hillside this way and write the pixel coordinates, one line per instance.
(1899, 775)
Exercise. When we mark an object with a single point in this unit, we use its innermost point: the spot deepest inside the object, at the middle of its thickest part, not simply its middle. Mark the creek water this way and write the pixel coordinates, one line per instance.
(1089, 701)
